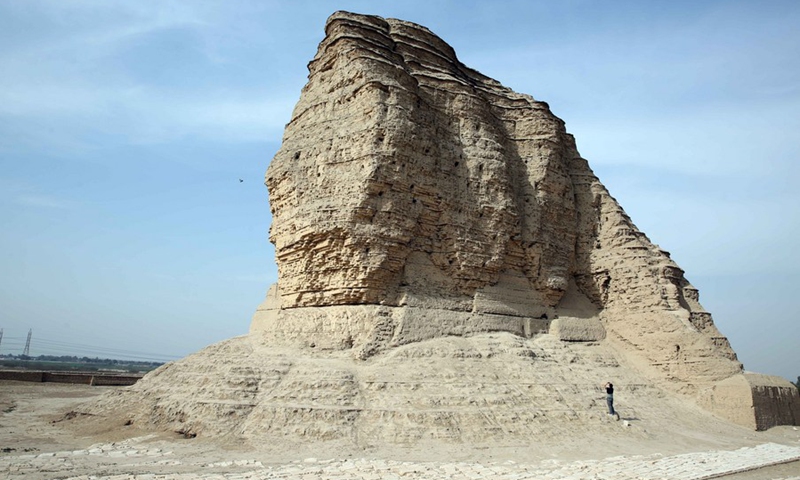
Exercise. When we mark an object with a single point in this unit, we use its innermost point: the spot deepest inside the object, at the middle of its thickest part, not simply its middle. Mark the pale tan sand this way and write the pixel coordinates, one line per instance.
(37, 443)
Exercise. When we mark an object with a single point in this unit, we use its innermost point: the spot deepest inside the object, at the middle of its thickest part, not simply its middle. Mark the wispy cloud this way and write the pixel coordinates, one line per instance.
(756, 140)
(42, 201)
(25, 194)
(223, 118)
(82, 80)
(733, 231)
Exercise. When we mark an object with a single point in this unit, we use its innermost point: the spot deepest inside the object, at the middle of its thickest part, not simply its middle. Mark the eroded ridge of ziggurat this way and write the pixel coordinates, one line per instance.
(450, 270)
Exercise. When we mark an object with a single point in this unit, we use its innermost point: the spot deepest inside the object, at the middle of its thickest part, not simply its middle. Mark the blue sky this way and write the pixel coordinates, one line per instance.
(126, 126)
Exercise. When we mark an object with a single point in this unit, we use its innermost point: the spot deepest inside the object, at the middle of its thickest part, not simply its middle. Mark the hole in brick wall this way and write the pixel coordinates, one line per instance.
(297, 155)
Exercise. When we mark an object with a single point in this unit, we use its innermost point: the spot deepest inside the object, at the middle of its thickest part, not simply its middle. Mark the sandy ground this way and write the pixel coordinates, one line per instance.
(40, 439)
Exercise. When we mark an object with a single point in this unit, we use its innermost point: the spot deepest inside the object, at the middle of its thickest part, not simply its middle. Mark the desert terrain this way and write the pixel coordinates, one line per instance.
(455, 286)
(44, 435)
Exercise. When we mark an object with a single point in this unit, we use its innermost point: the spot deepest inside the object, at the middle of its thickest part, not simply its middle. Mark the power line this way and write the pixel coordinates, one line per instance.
(98, 354)
(79, 345)
(62, 346)
(49, 346)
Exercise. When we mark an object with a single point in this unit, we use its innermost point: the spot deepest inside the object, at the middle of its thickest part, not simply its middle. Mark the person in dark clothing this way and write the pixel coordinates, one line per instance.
(610, 399)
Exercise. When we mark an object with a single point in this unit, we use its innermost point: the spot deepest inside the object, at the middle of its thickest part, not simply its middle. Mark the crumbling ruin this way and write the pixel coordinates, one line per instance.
(450, 269)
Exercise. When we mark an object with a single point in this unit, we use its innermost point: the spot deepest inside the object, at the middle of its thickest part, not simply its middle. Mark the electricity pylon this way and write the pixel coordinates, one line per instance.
(28, 344)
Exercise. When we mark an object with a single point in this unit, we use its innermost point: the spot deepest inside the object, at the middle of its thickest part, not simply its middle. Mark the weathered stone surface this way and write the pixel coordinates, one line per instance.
(412, 184)
(469, 392)
(395, 149)
(571, 329)
(413, 197)
(450, 270)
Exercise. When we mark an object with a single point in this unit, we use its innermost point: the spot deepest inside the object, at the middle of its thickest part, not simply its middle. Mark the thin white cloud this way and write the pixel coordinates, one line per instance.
(143, 115)
(50, 99)
(94, 28)
(25, 194)
(42, 201)
(734, 228)
(752, 140)
(66, 83)
(223, 119)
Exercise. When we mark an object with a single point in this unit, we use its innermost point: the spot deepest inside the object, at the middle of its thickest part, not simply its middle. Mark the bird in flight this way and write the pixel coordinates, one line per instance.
(240, 180)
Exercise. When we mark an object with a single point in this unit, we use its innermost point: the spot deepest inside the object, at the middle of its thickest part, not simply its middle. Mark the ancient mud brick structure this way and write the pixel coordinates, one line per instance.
(413, 197)
(450, 270)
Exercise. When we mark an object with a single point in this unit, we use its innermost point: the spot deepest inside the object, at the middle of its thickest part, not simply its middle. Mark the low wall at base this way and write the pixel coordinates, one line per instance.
(753, 400)
(79, 378)
(113, 380)
(22, 375)
(776, 401)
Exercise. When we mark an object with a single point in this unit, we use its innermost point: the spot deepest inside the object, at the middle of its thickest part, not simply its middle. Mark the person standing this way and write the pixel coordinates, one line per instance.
(610, 400)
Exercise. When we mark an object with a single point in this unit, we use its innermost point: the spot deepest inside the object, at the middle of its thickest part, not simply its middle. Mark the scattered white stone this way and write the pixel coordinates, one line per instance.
(689, 466)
